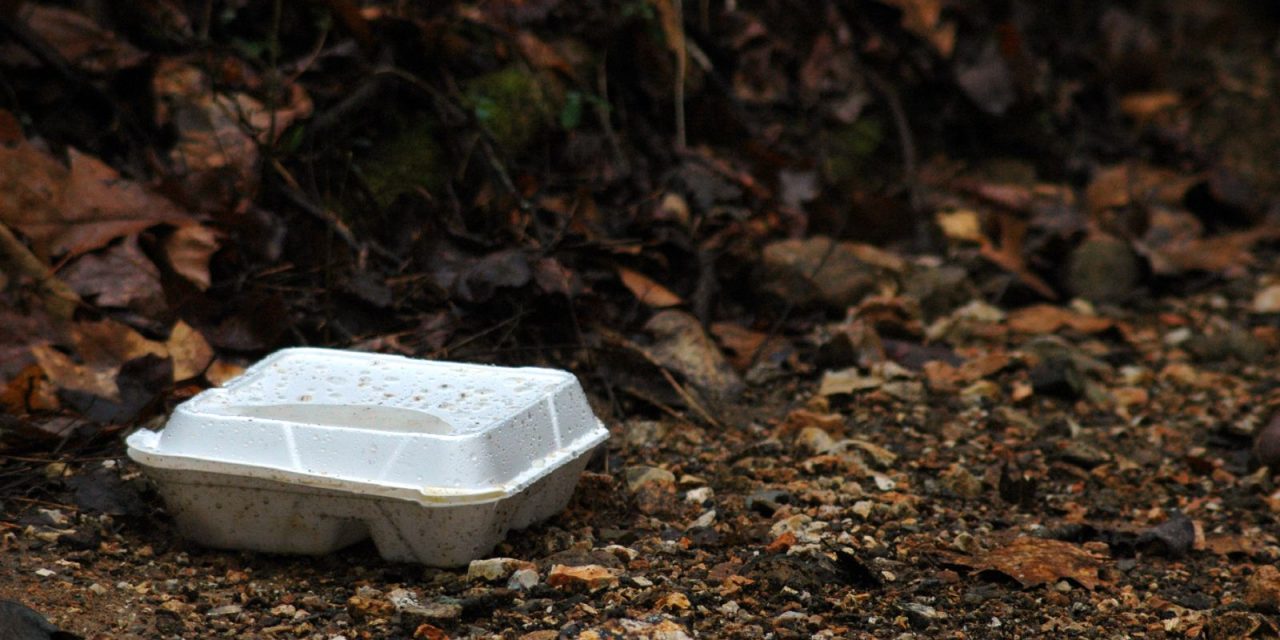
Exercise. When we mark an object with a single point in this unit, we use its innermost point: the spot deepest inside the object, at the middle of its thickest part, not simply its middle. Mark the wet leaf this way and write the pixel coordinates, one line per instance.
(647, 291)
(191, 353)
(216, 155)
(189, 250)
(120, 276)
(72, 210)
(1037, 561)
(1043, 319)
(77, 38)
(681, 345)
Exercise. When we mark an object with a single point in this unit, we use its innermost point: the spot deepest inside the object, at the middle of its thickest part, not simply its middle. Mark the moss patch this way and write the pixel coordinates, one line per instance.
(406, 160)
(512, 104)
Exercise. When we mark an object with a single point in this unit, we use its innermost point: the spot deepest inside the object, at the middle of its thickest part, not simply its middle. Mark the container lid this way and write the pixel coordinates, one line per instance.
(385, 424)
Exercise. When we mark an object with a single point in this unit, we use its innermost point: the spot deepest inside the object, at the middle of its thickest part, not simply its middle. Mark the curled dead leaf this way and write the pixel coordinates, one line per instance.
(647, 290)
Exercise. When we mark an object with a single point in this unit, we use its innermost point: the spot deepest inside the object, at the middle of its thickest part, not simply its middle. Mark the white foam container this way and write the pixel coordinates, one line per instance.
(311, 450)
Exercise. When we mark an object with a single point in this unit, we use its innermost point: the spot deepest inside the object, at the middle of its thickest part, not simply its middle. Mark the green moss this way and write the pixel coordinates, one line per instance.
(406, 160)
(512, 104)
(852, 148)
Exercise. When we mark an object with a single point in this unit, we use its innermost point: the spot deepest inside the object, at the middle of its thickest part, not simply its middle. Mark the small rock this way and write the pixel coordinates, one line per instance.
(1263, 590)
(46, 573)
(862, 508)
(961, 482)
(590, 577)
(815, 440)
(705, 520)
(767, 501)
(224, 610)
(1081, 454)
(1103, 269)
(1266, 447)
(406, 603)
(817, 270)
(699, 495)
(1267, 300)
(639, 433)
(523, 579)
(640, 476)
(654, 489)
(494, 569)
(1234, 342)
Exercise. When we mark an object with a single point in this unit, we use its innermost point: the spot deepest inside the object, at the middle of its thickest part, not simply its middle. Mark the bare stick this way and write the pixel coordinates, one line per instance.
(58, 298)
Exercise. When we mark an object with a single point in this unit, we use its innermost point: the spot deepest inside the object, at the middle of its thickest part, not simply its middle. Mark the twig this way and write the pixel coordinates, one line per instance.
(682, 62)
(58, 298)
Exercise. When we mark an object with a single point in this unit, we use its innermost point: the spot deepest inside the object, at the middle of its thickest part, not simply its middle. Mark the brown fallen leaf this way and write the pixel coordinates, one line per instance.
(216, 155)
(1142, 106)
(27, 392)
(100, 349)
(746, 347)
(1036, 561)
(1123, 185)
(648, 291)
(120, 276)
(77, 38)
(220, 372)
(682, 346)
(924, 19)
(1044, 319)
(72, 210)
(189, 250)
(191, 353)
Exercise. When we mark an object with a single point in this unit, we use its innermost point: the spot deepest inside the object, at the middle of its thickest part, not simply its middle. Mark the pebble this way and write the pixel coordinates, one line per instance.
(494, 569)
(640, 476)
(815, 440)
(1262, 593)
(817, 270)
(523, 579)
(224, 610)
(1266, 447)
(699, 495)
(1103, 269)
(1267, 300)
(591, 577)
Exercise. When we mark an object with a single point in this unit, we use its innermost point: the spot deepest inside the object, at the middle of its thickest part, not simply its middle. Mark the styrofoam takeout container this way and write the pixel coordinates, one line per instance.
(311, 450)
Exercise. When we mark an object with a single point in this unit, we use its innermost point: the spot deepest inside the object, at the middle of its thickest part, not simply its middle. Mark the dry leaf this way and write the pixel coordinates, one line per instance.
(1036, 561)
(1044, 319)
(746, 347)
(120, 276)
(189, 250)
(220, 372)
(77, 38)
(682, 346)
(963, 225)
(191, 353)
(647, 291)
(1144, 105)
(73, 210)
(924, 19)
(28, 391)
(1126, 184)
(100, 348)
(216, 155)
